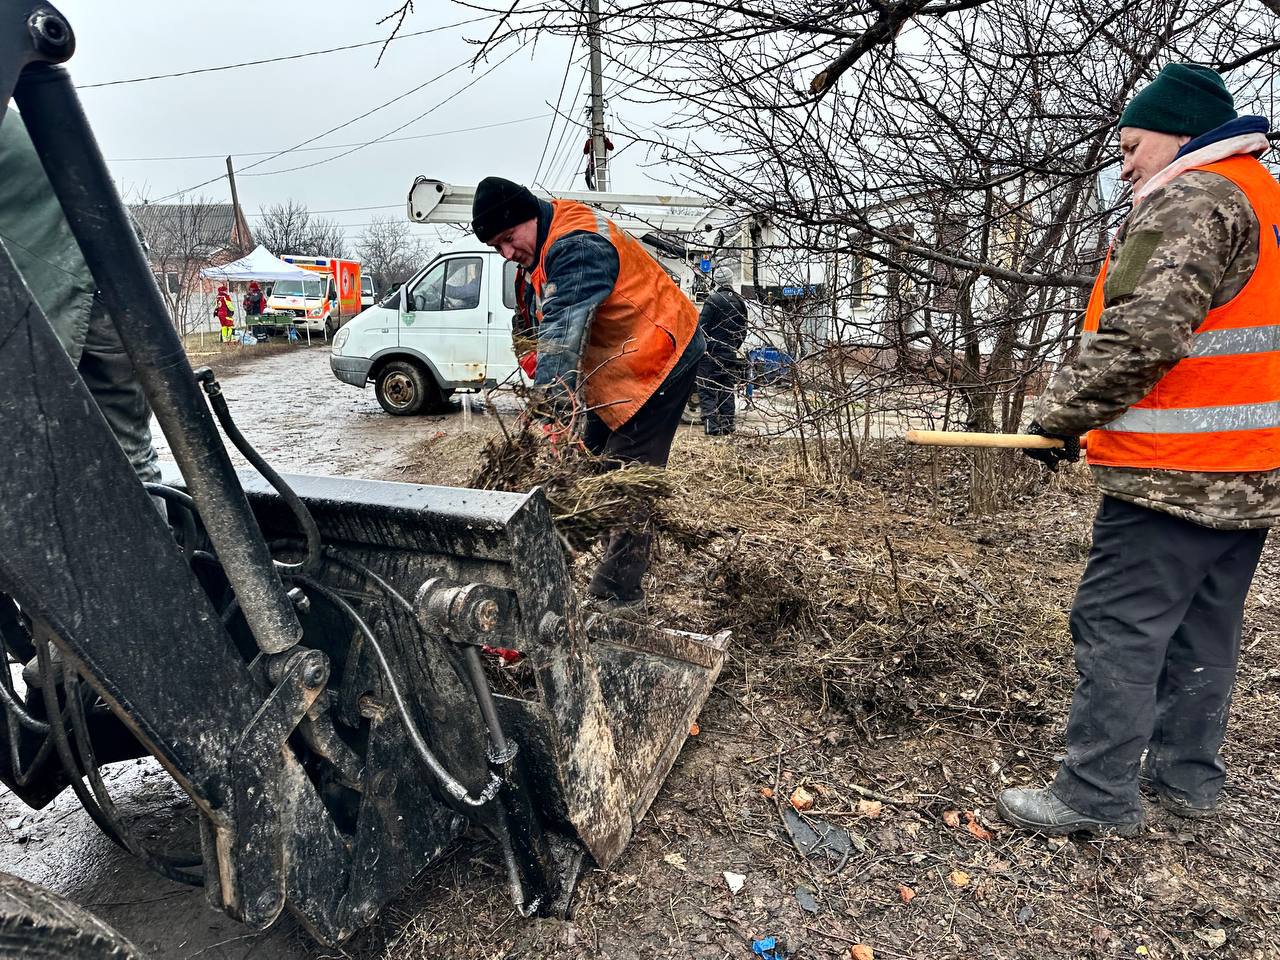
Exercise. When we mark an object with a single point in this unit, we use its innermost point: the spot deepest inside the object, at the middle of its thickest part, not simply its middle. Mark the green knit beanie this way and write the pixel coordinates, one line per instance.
(1184, 98)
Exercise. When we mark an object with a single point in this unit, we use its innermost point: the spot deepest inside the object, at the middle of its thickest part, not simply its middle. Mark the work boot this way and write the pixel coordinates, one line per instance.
(1170, 800)
(1040, 810)
(1186, 809)
(634, 609)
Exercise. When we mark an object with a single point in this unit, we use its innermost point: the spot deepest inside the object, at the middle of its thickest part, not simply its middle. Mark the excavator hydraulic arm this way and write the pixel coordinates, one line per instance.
(307, 657)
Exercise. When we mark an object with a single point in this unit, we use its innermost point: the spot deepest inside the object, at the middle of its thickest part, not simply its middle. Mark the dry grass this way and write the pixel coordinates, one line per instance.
(889, 645)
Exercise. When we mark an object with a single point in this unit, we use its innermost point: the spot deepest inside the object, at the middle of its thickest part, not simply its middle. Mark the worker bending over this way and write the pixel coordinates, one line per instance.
(618, 343)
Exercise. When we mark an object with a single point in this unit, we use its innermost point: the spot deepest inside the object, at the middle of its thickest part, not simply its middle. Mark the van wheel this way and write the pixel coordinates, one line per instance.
(405, 389)
(329, 327)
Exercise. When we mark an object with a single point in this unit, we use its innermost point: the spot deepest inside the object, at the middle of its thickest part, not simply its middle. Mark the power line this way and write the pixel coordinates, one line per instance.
(319, 136)
(559, 161)
(564, 81)
(331, 146)
(295, 56)
(457, 93)
(381, 206)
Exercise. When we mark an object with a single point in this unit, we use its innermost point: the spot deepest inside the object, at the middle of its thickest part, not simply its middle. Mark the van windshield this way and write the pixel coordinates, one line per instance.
(293, 288)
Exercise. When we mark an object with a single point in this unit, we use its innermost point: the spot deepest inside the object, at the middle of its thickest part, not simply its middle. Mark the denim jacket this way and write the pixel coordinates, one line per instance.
(581, 271)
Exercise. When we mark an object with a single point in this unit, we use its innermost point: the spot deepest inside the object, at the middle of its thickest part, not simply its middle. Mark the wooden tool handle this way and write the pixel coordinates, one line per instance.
(957, 438)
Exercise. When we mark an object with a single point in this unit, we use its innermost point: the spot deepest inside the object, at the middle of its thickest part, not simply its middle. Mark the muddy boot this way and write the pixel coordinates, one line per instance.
(1172, 800)
(1040, 810)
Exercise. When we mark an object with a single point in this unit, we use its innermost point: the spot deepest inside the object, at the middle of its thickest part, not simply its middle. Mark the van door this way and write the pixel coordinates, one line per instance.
(446, 320)
(500, 357)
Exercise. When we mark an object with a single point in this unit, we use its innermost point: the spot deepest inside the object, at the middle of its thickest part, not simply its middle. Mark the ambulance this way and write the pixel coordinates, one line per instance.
(324, 304)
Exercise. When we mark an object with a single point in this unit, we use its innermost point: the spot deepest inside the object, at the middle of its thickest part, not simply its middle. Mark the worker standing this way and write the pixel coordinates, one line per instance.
(224, 309)
(254, 303)
(618, 343)
(1178, 380)
(724, 323)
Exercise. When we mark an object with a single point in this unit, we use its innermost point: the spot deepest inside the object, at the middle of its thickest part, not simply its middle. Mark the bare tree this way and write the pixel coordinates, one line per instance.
(182, 239)
(390, 253)
(946, 165)
(290, 227)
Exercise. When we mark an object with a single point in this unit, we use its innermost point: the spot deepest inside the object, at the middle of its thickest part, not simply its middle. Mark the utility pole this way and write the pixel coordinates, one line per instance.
(598, 151)
(236, 213)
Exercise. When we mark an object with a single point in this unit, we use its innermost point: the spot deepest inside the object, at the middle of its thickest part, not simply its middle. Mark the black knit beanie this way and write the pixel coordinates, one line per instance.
(500, 205)
(1184, 98)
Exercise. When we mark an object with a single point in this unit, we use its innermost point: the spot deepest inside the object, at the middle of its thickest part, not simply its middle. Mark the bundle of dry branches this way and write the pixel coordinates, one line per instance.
(587, 498)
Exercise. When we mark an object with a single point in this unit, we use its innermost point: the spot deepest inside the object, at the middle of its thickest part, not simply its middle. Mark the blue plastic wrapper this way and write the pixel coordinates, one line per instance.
(767, 949)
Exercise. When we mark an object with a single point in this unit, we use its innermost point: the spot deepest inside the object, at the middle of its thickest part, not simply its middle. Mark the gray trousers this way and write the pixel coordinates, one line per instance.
(717, 381)
(1156, 624)
(36, 235)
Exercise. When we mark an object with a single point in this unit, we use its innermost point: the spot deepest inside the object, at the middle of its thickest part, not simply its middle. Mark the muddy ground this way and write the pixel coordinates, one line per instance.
(896, 658)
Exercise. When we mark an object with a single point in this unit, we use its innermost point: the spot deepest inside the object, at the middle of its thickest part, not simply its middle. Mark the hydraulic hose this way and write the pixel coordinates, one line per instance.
(311, 531)
(450, 783)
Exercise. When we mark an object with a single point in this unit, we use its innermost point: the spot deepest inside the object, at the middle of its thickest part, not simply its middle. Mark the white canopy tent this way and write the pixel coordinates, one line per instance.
(258, 265)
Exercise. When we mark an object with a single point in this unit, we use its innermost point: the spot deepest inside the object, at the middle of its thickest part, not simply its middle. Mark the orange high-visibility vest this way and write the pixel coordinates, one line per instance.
(639, 331)
(1218, 409)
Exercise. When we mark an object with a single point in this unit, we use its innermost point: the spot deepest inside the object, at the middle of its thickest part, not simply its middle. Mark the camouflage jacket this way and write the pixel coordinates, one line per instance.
(1155, 296)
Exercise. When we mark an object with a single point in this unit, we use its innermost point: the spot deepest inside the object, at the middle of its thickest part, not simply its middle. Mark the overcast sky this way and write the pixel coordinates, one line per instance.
(271, 107)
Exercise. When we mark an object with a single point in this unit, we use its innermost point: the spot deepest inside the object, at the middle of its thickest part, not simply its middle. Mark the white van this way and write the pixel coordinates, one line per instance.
(447, 329)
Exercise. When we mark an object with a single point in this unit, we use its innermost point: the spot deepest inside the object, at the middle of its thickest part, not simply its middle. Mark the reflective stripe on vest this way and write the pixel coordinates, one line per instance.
(1217, 409)
(639, 331)
(1222, 343)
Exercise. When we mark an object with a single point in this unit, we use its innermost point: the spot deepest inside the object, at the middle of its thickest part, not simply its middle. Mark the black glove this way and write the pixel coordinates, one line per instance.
(1069, 452)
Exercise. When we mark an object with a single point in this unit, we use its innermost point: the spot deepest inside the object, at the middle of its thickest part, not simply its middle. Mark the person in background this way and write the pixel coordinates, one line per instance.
(254, 303)
(224, 309)
(724, 322)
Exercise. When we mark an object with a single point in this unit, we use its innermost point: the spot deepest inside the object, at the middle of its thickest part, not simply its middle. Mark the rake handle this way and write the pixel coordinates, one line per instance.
(959, 438)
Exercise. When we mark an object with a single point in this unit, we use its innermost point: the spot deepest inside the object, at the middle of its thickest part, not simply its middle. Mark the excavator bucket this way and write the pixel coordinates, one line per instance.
(594, 710)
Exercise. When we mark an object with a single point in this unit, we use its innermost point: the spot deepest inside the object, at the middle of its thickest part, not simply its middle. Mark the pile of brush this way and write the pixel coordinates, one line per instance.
(587, 498)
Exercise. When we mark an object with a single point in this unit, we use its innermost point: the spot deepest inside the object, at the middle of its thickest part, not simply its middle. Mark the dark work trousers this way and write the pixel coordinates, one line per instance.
(717, 381)
(1156, 624)
(645, 438)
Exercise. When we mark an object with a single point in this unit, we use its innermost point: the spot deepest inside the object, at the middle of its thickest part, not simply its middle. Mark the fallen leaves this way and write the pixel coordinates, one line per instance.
(952, 818)
(976, 828)
(694, 729)
(860, 951)
(802, 799)
(1215, 937)
(870, 808)
(676, 860)
(905, 893)
(766, 792)
(959, 878)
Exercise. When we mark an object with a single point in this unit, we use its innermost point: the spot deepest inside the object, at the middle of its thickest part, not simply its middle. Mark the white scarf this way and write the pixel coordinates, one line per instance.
(1251, 143)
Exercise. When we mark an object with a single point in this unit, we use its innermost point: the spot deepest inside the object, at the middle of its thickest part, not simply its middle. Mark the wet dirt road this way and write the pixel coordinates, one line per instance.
(302, 420)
